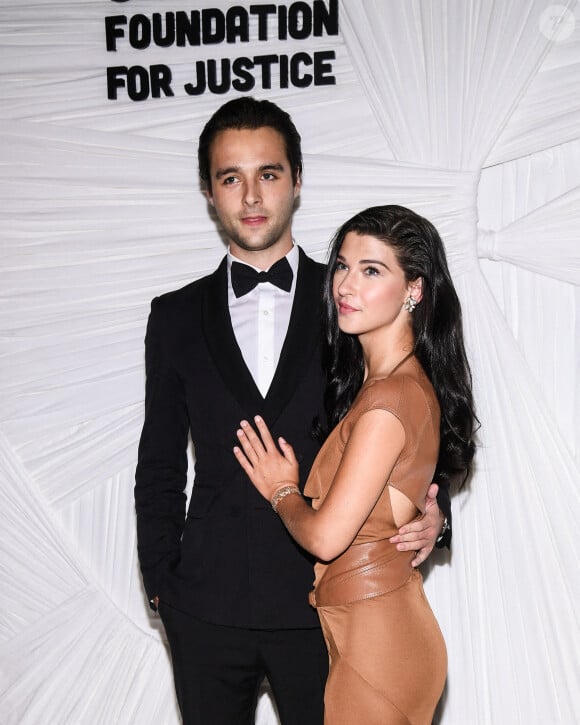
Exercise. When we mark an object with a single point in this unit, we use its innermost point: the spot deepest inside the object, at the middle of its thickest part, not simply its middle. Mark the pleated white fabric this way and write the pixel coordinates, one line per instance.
(545, 241)
(467, 111)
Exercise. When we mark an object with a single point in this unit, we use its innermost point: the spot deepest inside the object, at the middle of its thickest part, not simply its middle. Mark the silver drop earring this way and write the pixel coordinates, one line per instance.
(410, 303)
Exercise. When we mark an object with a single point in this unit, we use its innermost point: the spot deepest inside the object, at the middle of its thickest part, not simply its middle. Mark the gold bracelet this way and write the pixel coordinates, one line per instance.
(282, 493)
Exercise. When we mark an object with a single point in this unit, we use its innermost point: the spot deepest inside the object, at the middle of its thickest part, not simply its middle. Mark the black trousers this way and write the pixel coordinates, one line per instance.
(218, 671)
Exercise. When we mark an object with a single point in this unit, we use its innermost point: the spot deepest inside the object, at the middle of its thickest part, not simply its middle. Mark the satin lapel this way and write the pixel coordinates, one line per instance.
(223, 346)
(302, 340)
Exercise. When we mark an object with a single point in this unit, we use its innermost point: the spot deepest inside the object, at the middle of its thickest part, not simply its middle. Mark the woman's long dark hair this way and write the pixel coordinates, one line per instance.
(437, 329)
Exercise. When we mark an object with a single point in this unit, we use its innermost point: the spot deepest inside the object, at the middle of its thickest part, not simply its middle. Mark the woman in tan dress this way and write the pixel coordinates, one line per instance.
(401, 414)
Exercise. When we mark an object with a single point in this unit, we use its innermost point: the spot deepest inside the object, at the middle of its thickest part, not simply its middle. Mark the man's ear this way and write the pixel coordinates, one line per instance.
(297, 186)
(208, 196)
(415, 289)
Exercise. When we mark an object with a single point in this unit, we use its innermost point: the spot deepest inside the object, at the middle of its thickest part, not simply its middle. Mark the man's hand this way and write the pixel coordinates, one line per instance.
(420, 536)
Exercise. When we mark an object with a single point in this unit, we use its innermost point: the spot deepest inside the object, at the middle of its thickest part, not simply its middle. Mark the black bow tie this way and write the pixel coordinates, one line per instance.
(244, 278)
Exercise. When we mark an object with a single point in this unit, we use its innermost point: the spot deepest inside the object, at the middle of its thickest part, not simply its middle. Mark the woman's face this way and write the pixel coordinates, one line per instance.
(369, 286)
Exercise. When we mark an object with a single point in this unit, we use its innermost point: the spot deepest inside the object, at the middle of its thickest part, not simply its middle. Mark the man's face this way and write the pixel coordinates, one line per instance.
(253, 193)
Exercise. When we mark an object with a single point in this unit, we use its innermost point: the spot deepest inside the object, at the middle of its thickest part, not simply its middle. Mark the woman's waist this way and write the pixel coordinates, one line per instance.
(361, 572)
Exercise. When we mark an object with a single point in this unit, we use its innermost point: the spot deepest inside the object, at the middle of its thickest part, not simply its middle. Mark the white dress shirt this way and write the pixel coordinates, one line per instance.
(262, 316)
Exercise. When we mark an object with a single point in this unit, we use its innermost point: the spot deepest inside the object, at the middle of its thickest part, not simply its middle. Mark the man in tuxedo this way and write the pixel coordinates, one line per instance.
(230, 583)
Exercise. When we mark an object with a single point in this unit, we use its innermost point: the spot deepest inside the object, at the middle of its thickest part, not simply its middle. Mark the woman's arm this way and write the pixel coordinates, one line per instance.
(375, 442)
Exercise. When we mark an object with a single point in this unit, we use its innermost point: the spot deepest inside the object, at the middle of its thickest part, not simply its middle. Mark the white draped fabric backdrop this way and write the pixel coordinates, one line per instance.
(467, 111)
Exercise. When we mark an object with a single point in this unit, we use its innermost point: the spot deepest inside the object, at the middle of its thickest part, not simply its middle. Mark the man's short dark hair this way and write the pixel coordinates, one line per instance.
(248, 113)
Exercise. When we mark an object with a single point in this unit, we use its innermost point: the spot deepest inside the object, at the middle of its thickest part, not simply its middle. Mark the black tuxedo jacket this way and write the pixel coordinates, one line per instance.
(229, 560)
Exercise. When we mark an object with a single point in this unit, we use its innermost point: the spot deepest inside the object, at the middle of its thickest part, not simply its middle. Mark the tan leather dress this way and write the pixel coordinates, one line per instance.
(388, 660)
